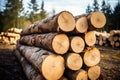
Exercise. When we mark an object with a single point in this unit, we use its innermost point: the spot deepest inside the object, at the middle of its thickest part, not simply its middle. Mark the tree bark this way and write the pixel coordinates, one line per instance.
(90, 38)
(30, 71)
(63, 21)
(58, 43)
(77, 75)
(96, 20)
(73, 61)
(77, 44)
(50, 65)
(94, 72)
(91, 56)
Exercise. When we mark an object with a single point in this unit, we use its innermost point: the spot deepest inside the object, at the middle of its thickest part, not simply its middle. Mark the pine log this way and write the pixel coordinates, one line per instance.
(63, 21)
(96, 19)
(30, 71)
(73, 61)
(50, 65)
(63, 78)
(113, 32)
(117, 44)
(91, 56)
(58, 43)
(90, 38)
(12, 34)
(94, 72)
(15, 30)
(77, 75)
(116, 38)
(81, 24)
(77, 44)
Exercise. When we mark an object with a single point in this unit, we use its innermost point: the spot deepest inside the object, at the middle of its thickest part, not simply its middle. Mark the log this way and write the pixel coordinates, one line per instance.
(63, 78)
(30, 71)
(50, 65)
(90, 38)
(113, 32)
(58, 43)
(91, 56)
(81, 24)
(77, 75)
(12, 34)
(63, 21)
(117, 44)
(15, 30)
(73, 61)
(96, 19)
(94, 72)
(77, 44)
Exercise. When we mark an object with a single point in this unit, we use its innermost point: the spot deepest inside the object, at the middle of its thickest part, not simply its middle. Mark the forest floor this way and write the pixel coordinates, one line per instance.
(10, 68)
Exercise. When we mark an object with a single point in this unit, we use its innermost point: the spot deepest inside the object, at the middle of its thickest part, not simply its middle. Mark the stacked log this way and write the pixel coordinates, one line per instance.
(115, 38)
(108, 39)
(61, 47)
(10, 36)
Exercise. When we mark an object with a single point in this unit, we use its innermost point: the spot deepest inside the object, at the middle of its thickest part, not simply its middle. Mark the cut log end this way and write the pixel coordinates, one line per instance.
(60, 43)
(82, 75)
(74, 61)
(92, 57)
(94, 72)
(66, 21)
(53, 67)
(98, 19)
(82, 24)
(77, 44)
(90, 38)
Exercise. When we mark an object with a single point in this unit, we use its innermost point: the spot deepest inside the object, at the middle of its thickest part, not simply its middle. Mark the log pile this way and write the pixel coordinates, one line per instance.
(108, 39)
(10, 36)
(61, 47)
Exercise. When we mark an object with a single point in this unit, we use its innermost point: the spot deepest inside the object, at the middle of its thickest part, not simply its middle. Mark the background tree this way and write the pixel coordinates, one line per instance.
(116, 17)
(36, 13)
(88, 10)
(11, 13)
(95, 6)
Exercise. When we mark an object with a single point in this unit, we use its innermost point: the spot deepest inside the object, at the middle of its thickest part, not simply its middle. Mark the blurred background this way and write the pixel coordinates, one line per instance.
(22, 13)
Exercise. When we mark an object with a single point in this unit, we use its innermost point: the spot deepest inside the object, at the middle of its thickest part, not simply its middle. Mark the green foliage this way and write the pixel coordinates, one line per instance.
(88, 10)
(11, 13)
(95, 6)
(36, 14)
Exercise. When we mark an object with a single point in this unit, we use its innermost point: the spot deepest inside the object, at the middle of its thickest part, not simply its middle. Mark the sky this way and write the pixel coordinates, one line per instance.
(76, 7)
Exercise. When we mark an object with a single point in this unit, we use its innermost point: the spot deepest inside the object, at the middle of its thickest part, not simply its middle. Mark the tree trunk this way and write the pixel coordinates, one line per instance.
(77, 44)
(30, 71)
(73, 61)
(50, 65)
(77, 75)
(90, 38)
(58, 43)
(64, 21)
(81, 24)
(91, 56)
(96, 20)
(94, 72)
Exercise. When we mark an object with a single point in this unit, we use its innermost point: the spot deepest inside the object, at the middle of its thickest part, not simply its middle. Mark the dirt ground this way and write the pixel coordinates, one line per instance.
(10, 68)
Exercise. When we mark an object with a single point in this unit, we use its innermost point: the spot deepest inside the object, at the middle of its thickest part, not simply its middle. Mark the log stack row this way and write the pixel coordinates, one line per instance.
(10, 36)
(61, 47)
(108, 39)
